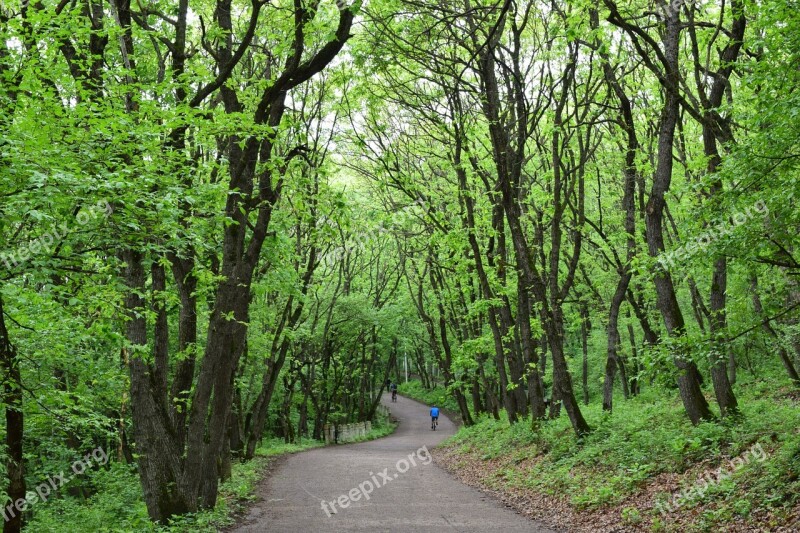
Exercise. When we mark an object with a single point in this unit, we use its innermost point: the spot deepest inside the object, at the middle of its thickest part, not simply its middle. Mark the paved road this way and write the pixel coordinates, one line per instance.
(400, 488)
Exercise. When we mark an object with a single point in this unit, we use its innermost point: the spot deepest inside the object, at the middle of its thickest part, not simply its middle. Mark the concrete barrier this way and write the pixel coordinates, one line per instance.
(341, 433)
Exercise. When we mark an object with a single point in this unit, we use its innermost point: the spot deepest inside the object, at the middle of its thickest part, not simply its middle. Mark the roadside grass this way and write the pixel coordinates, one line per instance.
(440, 395)
(117, 506)
(646, 441)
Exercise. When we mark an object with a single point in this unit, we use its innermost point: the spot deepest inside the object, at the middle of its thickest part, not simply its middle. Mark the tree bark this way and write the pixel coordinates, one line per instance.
(713, 128)
(177, 476)
(14, 430)
(629, 173)
(694, 402)
(783, 353)
(585, 349)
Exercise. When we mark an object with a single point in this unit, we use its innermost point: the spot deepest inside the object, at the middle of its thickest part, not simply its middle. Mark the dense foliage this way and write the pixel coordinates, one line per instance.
(224, 221)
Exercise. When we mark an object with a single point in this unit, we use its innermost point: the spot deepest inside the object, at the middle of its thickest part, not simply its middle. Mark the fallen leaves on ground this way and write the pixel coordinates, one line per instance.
(633, 514)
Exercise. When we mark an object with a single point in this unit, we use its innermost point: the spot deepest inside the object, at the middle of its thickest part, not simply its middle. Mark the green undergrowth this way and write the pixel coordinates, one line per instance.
(439, 395)
(118, 499)
(647, 436)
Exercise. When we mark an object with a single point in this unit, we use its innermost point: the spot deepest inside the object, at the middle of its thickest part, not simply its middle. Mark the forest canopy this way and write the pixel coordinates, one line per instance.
(224, 221)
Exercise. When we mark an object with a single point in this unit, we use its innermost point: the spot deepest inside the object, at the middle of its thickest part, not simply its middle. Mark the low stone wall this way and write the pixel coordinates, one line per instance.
(340, 433)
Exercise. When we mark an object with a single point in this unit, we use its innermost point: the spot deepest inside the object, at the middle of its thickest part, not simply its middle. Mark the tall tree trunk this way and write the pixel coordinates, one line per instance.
(718, 322)
(158, 453)
(178, 477)
(613, 342)
(630, 172)
(689, 381)
(585, 348)
(548, 288)
(636, 301)
(258, 413)
(447, 361)
(14, 430)
(783, 353)
(634, 380)
(712, 128)
(543, 344)
(508, 141)
(186, 283)
(562, 381)
(495, 315)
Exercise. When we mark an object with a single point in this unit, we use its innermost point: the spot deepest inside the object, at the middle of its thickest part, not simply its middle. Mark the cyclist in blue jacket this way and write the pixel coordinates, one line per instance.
(434, 417)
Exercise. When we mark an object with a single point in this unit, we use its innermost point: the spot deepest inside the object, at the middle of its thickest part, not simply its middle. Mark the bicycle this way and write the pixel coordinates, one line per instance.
(434, 422)
(394, 396)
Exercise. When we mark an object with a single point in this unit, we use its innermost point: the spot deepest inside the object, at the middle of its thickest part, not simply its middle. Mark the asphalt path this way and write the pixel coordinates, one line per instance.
(388, 484)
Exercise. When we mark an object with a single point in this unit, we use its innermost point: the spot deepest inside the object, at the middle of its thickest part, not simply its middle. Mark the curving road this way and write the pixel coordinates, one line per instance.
(389, 484)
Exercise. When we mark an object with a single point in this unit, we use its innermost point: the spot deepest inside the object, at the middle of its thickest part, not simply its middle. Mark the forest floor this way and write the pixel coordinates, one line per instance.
(389, 484)
(644, 468)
